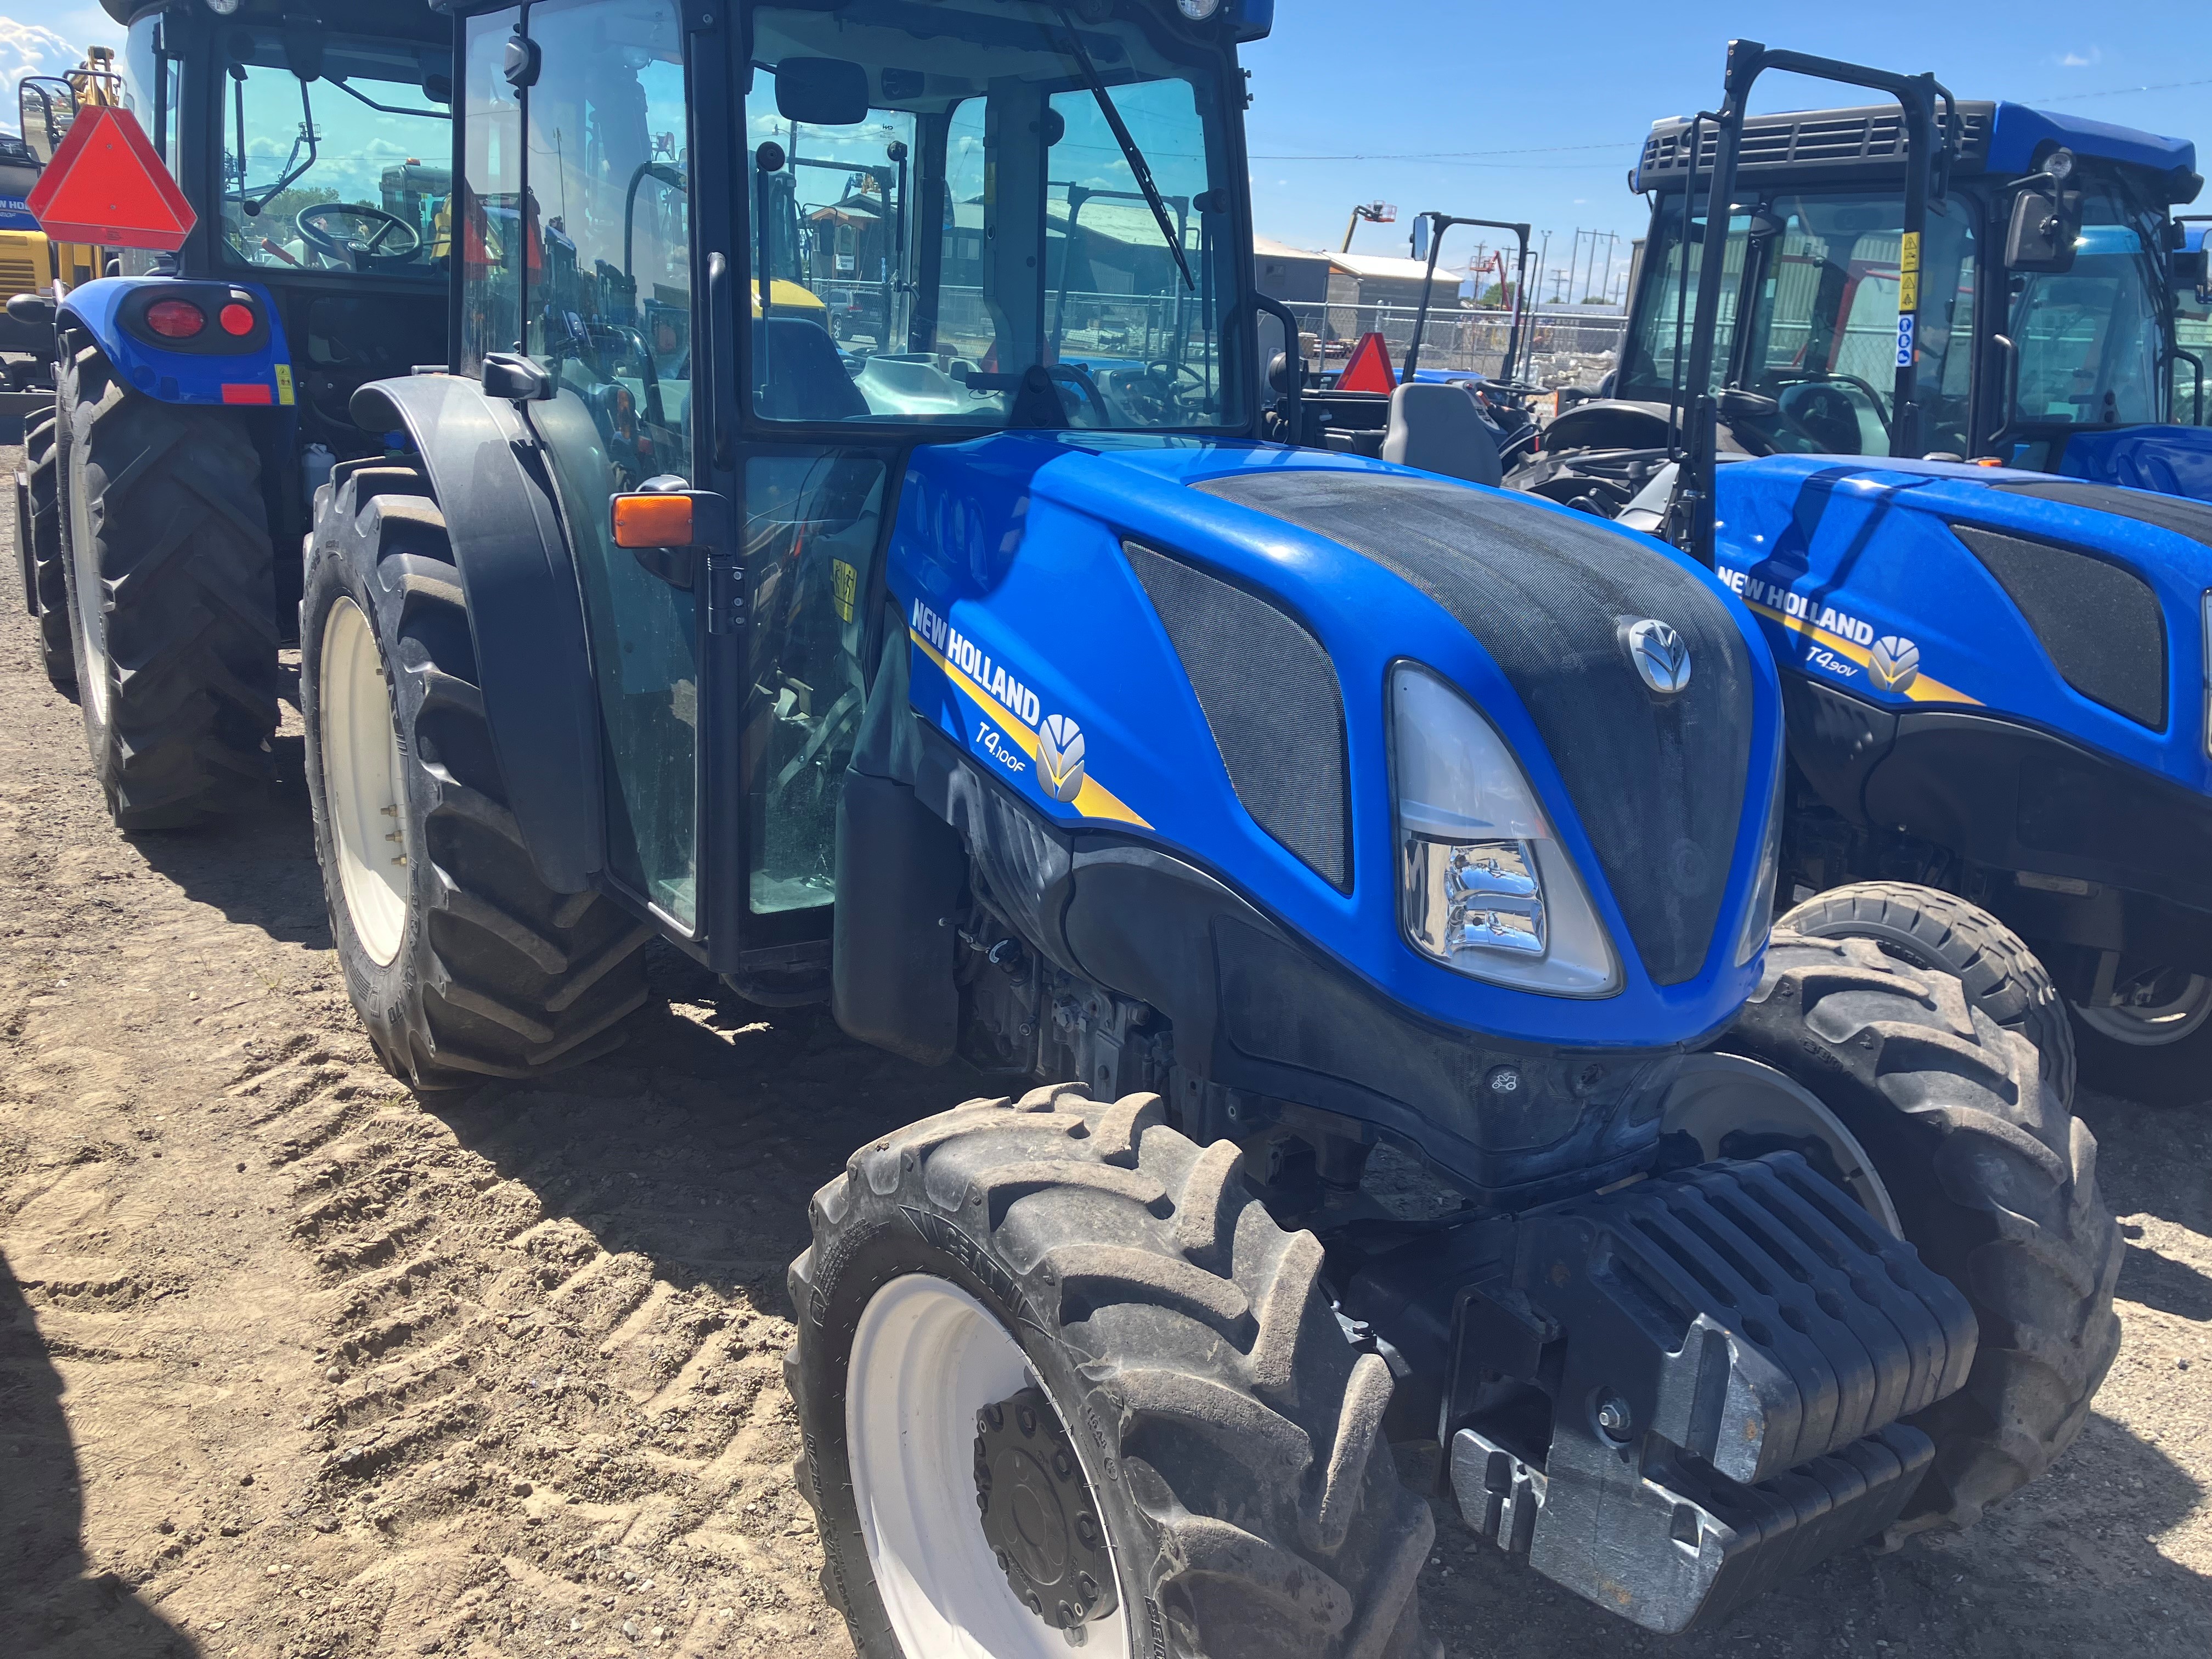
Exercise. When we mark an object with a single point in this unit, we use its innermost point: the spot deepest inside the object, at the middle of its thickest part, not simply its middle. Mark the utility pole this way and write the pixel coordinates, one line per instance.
(1543, 260)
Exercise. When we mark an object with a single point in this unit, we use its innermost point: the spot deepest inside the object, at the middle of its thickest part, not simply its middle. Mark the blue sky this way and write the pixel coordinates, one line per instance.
(1536, 112)
(1391, 79)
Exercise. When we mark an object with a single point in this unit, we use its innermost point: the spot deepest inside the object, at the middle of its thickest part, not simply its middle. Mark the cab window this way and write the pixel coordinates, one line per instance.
(989, 213)
(336, 151)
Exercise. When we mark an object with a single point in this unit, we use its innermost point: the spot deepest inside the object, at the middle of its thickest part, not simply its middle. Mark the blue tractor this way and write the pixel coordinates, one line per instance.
(201, 397)
(1996, 674)
(1355, 884)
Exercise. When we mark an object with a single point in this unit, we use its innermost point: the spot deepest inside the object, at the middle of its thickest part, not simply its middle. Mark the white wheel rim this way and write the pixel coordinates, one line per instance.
(89, 622)
(1716, 1095)
(360, 783)
(2155, 1026)
(926, 1357)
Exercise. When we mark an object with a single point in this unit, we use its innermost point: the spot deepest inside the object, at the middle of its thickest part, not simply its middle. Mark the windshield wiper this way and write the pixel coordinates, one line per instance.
(1130, 153)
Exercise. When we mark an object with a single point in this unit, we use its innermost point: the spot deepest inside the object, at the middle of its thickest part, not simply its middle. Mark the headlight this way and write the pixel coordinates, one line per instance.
(1760, 922)
(1484, 885)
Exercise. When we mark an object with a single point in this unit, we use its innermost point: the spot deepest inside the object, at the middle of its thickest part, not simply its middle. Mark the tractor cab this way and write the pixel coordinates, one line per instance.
(2051, 285)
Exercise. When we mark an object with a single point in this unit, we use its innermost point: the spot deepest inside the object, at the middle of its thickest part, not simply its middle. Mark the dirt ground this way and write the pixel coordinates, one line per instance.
(295, 1363)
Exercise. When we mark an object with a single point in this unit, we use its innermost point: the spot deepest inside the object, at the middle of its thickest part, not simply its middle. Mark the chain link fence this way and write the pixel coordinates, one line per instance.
(1561, 347)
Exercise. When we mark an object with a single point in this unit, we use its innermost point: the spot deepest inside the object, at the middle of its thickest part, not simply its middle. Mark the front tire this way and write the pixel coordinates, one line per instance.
(171, 600)
(1925, 927)
(461, 963)
(1225, 1434)
(1993, 1180)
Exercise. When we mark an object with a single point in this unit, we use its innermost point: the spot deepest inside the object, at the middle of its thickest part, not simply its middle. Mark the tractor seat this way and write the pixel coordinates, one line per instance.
(1436, 426)
(807, 378)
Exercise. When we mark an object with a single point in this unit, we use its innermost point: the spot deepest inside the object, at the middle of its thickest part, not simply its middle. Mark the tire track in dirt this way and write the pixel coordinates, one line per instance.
(555, 1320)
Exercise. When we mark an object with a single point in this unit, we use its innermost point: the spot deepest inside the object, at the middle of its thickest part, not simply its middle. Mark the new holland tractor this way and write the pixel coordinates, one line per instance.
(1997, 678)
(1357, 884)
(202, 396)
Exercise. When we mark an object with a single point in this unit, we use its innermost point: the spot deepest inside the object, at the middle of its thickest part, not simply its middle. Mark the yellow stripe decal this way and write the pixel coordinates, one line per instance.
(1093, 800)
(1922, 690)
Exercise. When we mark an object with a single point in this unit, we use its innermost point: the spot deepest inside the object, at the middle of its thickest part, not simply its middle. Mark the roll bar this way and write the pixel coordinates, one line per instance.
(1927, 175)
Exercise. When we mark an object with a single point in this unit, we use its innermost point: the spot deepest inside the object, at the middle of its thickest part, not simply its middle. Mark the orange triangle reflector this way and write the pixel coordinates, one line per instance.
(106, 184)
(1368, 369)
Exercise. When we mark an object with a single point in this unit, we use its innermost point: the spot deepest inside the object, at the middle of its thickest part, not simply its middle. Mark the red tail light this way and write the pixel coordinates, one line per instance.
(175, 319)
(235, 319)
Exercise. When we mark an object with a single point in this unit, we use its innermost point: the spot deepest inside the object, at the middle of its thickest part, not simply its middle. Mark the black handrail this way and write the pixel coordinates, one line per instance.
(1927, 172)
(1438, 224)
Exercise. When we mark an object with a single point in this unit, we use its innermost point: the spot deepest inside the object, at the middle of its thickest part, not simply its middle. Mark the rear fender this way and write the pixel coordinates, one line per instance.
(214, 368)
(492, 483)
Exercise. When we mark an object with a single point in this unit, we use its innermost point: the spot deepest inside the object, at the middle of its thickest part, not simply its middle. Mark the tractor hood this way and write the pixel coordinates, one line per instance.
(2074, 608)
(1212, 629)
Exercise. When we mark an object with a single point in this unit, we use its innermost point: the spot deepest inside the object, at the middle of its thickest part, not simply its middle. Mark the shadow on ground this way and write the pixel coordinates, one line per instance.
(50, 1603)
(699, 1142)
(259, 867)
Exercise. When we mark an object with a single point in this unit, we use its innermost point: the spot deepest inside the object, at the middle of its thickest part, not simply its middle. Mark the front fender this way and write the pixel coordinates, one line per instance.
(257, 372)
(493, 484)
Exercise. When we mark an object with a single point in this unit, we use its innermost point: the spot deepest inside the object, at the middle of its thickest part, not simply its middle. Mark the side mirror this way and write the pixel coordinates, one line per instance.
(2191, 272)
(303, 45)
(822, 92)
(513, 377)
(2041, 237)
(44, 106)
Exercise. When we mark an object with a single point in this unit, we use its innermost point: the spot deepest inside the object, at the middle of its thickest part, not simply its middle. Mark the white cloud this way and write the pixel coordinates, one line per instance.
(2082, 60)
(31, 49)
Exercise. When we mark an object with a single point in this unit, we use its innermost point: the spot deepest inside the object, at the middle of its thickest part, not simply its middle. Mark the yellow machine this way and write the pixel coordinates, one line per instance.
(46, 105)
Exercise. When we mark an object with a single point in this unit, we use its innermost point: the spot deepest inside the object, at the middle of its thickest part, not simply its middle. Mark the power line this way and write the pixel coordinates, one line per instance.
(1437, 154)
(1466, 156)
(2117, 92)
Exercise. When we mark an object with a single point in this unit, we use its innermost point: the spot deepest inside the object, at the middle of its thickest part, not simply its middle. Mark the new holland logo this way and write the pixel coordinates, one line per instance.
(1894, 662)
(1060, 758)
(1660, 654)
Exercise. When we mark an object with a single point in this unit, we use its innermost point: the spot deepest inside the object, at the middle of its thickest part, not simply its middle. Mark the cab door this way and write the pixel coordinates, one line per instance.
(581, 249)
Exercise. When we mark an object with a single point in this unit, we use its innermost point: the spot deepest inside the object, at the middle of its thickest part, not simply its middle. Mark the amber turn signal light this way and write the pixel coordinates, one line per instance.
(653, 521)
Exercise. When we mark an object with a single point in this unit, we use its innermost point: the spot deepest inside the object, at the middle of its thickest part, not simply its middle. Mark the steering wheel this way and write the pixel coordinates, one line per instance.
(353, 250)
(1874, 398)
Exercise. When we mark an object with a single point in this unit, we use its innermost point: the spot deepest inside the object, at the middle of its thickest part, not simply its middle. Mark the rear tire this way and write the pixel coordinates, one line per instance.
(39, 532)
(462, 963)
(1925, 927)
(1230, 1435)
(1993, 1179)
(171, 600)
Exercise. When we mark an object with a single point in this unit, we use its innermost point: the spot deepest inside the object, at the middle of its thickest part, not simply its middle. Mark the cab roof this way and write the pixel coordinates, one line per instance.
(1994, 138)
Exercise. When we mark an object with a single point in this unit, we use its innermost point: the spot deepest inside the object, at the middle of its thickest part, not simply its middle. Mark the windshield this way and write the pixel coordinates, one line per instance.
(346, 171)
(2089, 337)
(1822, 339)
(997, 215)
